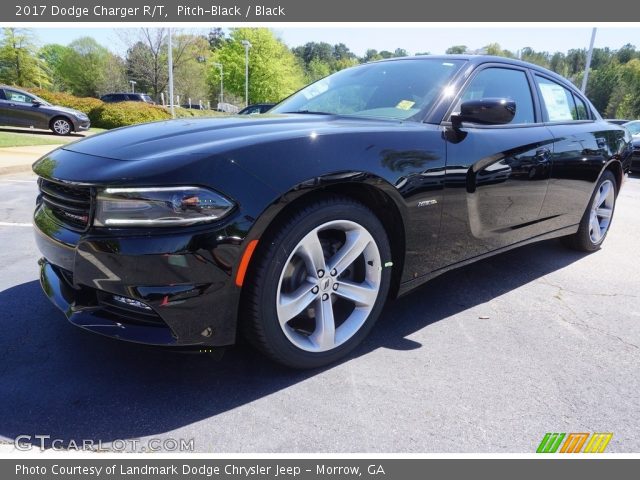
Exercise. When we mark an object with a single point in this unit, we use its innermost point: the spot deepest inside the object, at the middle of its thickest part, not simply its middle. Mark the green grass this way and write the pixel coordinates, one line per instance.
(37, 137)
(10, 139)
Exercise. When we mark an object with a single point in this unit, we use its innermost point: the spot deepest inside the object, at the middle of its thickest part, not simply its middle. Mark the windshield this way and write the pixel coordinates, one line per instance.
(43, 102)
(388, 90)
(633, 127)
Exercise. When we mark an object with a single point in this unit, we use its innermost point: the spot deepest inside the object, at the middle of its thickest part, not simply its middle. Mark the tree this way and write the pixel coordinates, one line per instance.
(528, 54)
(626, 53)
(371, 55)
(315, 51)
(274, 72)
(89, 69)
(342, 52)
(216, 38)
(52, 55)
(456, 50)
(400, 52)
(190, 79)
(558, 63)
(19, 62)
(147, 58)
(496, 49)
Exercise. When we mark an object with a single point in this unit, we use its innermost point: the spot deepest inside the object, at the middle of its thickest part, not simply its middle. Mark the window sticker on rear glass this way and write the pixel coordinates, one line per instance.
(555, 99)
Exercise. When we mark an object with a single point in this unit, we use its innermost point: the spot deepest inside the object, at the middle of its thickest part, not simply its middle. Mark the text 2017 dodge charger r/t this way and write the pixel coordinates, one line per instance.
(293, 228)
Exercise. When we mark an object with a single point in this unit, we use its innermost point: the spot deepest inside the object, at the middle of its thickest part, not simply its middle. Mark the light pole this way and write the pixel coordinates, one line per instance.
(170, 52)
(585, 79)
(219, 65)
(133, 86)
(247, 46)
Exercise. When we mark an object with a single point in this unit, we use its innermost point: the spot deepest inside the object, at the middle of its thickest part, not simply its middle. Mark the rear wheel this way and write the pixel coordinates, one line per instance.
(61, 126)
(596, 220)
(318, 284)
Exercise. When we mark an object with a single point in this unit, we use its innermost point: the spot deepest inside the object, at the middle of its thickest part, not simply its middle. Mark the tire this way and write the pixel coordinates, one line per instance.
(597, 218)
(309, 300)
(61, 126)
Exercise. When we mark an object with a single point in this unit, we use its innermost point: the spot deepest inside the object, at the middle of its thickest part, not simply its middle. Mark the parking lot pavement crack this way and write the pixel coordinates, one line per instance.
(562, 289)
(601, 331)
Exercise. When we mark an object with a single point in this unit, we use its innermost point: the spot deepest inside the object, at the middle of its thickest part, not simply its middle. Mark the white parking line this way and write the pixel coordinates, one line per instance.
(15, 224)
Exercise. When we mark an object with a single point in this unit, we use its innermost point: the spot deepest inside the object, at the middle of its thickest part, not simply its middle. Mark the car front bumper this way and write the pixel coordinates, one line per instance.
(81, 125)
(184, 281)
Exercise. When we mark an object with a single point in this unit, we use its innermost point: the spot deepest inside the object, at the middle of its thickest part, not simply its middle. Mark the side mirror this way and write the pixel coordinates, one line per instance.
(486, 111)
(36, 103)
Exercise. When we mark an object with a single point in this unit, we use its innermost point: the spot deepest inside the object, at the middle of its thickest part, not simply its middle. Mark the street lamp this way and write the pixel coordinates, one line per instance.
(219, 65)
(247, 46)
(133, 86)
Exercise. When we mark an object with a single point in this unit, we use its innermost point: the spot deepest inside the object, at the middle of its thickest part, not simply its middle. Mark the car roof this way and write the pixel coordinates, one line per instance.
(476, 60)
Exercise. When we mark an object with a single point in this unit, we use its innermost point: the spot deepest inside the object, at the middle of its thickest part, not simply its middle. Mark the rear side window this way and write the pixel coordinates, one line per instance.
(502, 83)
(581, 107)
(559, 102)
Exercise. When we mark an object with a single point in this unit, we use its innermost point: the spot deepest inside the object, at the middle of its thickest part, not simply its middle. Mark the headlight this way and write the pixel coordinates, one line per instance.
(159, 207)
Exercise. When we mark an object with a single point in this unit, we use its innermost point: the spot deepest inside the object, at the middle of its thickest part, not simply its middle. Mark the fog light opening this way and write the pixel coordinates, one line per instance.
(131, 302)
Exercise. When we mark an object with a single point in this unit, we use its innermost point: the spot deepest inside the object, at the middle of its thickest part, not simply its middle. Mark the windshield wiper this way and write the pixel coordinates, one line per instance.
(311, 112)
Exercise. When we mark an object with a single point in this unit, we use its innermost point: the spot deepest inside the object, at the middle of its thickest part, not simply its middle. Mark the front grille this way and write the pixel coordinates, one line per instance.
(69, 204)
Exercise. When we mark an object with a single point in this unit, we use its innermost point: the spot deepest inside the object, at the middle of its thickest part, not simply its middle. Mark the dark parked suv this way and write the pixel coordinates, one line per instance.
(21, 109)
(127, 97)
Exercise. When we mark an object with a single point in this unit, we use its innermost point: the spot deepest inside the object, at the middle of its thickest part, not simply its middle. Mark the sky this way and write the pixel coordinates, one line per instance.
(413, 39)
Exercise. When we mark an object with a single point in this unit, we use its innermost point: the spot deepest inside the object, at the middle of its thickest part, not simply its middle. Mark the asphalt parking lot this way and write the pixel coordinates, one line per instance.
(487, 358)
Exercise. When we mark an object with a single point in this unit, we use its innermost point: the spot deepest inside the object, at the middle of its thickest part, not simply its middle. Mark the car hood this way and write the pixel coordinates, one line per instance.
(199, 138)
(58, 108)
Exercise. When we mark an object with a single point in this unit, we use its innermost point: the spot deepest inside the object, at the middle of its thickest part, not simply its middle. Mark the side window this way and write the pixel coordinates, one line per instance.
(15, 96)
(107, 98)
(558, 101)
(581, 107)
(2, 96)
(502, 83)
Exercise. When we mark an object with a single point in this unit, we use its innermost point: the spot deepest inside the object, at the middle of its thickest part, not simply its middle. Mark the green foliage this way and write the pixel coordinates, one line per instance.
(52, 55)
(456, 50)
(19, 62)
(274, 72)
(89, 69)
(114, 115)
(147, 60)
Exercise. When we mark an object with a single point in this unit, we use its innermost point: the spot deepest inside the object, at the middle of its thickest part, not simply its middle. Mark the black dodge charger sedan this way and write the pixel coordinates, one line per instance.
(294, 228)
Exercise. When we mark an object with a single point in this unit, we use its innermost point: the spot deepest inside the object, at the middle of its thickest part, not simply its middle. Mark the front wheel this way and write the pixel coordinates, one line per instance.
(596, 220)
(61, 126)
(317, 284)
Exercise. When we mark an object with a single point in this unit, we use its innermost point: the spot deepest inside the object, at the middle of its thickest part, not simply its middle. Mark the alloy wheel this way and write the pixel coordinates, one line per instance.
(328, 286)
(601, 211)
(61, 127)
